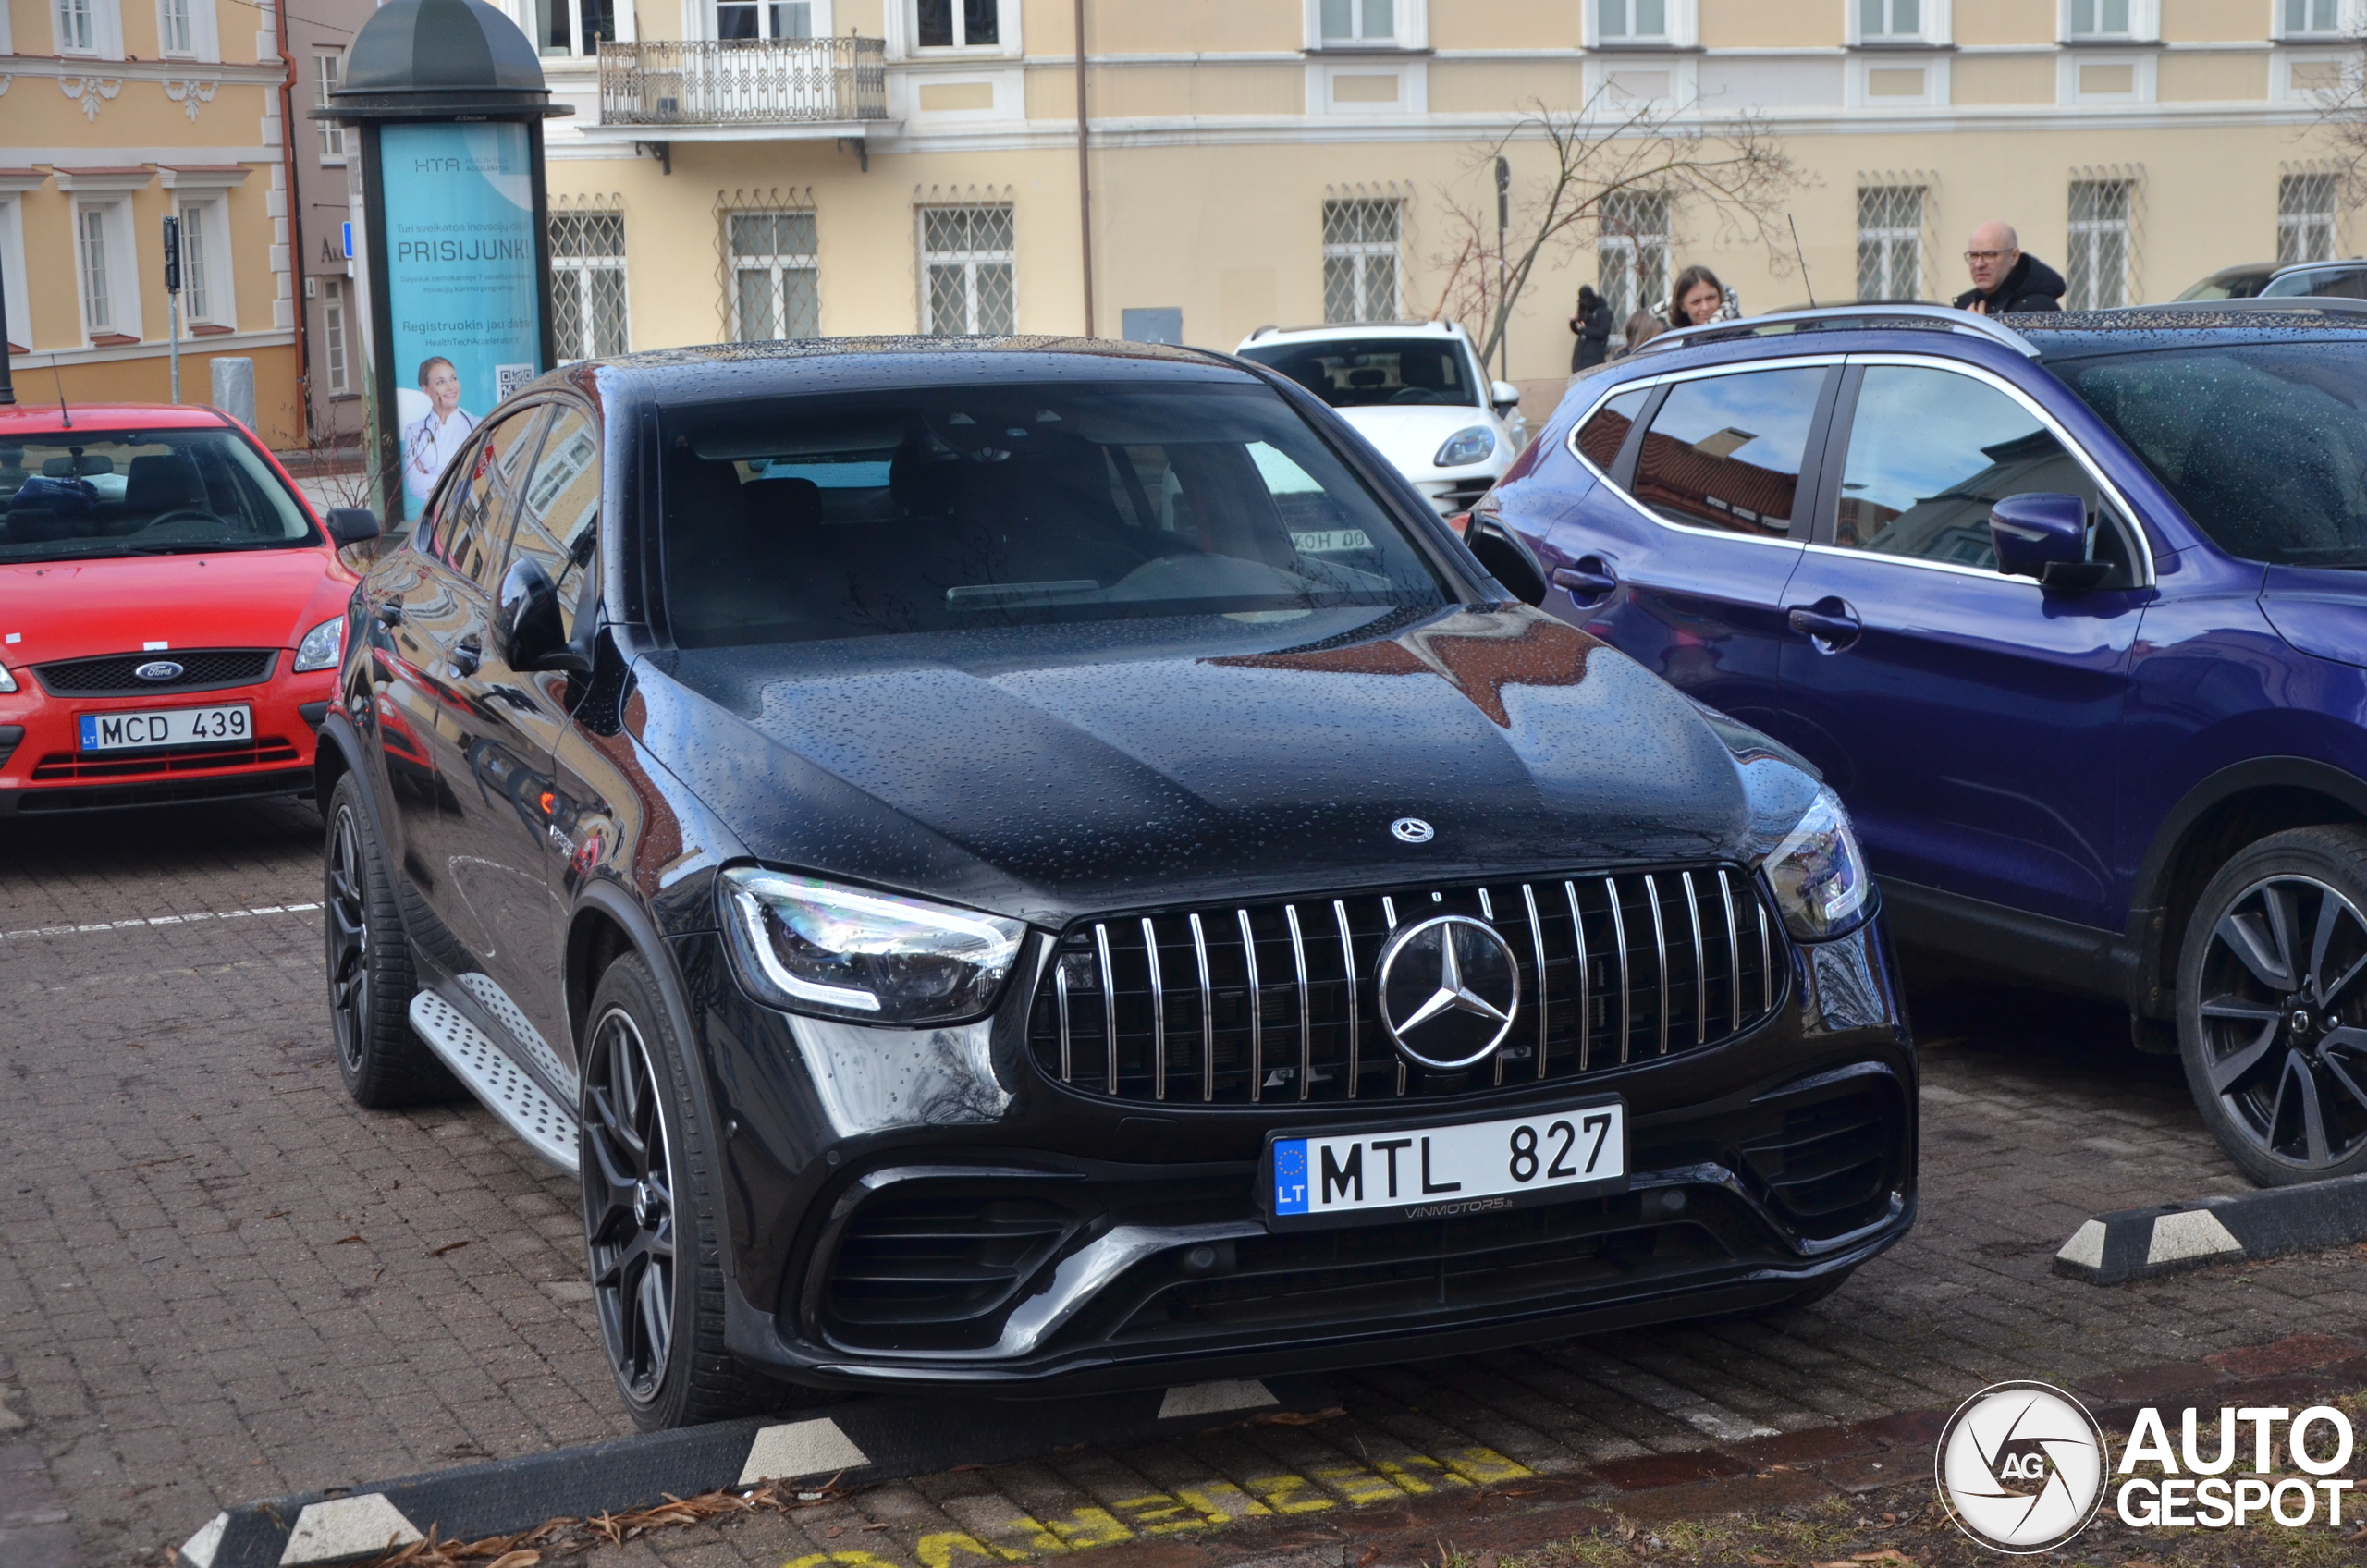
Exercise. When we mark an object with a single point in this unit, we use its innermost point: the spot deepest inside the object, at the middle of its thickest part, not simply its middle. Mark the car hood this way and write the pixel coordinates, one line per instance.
(1411, 436)
(233, 599)
(1056, 772)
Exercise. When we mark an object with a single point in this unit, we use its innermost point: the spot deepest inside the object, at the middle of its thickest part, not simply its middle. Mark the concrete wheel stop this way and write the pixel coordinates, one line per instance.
(2140, 1244)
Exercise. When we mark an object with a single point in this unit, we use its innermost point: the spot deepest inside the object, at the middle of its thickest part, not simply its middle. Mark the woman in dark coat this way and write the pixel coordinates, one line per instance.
(1592, 325)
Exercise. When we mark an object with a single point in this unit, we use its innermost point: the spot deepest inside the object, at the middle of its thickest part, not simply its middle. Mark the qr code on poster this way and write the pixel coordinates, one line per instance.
(510, 378)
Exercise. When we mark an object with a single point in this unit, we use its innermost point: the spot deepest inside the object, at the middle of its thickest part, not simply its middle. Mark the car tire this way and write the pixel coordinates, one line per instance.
(2273, 1006)
(370, 982)
(653, 1216)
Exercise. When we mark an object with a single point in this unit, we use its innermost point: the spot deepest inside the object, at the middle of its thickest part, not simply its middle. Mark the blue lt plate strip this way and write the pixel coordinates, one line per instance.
(1290, 1176)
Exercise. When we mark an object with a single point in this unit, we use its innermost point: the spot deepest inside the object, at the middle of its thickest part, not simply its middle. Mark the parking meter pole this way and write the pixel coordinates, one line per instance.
(448, 99)
(7, 373)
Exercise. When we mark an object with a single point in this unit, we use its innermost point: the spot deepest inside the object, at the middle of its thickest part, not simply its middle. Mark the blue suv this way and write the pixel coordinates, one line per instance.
(2070, 611)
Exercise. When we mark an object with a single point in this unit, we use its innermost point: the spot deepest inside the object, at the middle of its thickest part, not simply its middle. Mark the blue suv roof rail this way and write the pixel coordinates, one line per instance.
(1930, 317)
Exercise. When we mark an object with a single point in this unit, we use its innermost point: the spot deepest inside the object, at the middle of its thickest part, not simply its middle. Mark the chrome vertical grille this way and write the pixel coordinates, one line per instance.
(1239, 1004)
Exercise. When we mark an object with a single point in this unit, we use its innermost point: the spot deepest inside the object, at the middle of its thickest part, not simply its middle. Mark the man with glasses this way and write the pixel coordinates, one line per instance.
(2005, 280)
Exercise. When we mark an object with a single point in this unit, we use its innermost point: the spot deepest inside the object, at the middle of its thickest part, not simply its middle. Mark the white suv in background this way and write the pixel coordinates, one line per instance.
(1416, 391)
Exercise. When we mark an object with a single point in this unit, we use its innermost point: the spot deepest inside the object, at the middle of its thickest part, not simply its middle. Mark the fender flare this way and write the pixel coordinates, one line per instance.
(603, 896)
(2148, 905)
(338, 730)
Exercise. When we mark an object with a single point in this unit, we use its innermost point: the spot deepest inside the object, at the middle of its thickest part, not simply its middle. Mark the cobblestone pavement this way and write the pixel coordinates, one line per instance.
(223, 1281)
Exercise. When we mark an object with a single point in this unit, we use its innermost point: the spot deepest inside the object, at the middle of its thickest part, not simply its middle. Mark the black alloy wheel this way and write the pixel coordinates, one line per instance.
(370, 980)
(2273, 1006)
(628, 1205)
(652, 1220)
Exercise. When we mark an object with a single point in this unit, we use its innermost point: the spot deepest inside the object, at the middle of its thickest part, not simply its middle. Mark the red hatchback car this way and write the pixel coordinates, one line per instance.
(171, 611)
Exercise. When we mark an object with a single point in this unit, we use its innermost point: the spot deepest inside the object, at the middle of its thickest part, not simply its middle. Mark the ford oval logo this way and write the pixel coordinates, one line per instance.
(158, 669)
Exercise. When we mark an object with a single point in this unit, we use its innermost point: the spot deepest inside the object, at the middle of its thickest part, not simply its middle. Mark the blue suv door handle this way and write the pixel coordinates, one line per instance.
(1588, 580)
(1831, 624)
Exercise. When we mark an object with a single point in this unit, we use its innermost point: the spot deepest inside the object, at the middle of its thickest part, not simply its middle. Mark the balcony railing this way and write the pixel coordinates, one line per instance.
(744, 81)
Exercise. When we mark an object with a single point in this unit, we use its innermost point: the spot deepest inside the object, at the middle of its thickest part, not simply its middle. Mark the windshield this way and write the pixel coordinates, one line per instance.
(80, 494)
(2236, 283)
(940, 509)
(2264, 445)
(1365, 371)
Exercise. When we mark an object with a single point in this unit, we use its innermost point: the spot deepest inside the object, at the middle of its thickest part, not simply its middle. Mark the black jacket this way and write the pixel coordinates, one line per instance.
(1594, 337)
(2032, 285)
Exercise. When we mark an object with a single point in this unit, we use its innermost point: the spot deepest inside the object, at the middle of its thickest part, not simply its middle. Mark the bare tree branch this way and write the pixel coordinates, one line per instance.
(1734, 172)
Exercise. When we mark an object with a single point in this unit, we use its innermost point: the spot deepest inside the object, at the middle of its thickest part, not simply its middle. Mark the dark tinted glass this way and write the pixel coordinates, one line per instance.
(1930, 452)
(1352, 374)
(474, 513)
(944, 508)
(1725, 451)
(558, 506)
(1602, 436)
(2264, 445)
(93, 492)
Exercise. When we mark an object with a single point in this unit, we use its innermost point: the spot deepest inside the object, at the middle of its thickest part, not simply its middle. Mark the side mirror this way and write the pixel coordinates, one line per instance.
(1507, 559)
(351, 525)
(1503, 395)
(532, 637)
(2036, 532)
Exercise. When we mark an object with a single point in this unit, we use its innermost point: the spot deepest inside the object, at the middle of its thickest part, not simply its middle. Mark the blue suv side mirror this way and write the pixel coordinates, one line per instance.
(2035, 532)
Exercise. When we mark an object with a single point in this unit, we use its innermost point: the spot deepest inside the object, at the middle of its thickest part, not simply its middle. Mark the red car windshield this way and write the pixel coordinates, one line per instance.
(75, 494)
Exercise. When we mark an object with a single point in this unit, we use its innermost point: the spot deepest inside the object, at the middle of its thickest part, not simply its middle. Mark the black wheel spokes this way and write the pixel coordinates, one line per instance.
(2277, 1050)
(628, 1206)
(349, 940)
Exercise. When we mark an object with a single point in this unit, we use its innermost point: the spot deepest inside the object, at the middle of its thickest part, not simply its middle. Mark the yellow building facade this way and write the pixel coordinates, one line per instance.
(747, 169)
(113, 114)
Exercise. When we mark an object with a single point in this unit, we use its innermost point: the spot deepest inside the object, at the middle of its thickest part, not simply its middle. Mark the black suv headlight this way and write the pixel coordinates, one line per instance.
(1818, 876)
(810, 946)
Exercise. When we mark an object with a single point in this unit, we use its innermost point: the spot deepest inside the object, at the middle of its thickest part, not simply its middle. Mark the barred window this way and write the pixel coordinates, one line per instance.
(969, 259)
(1890, 243)
(2099, 259)
(2305, 218)
(776, 279)
(1361, 240)
(1632, 251)
(588, 314)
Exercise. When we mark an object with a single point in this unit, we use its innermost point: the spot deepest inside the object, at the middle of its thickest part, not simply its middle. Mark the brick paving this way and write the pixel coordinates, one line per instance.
(223, 1281)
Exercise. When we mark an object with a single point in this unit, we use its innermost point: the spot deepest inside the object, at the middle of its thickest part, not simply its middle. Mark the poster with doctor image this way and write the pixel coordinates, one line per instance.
(460, 292)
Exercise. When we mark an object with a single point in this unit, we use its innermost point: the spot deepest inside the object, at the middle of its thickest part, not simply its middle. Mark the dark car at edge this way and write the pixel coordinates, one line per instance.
(1041, 865)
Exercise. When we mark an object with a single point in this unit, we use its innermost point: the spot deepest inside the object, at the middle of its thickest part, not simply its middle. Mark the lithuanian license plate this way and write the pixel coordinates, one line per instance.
(228, 725)
(1438, 1171)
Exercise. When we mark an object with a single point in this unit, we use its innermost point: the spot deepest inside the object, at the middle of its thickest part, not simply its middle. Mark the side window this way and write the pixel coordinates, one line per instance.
(1599, 439)
(473, 522)
(560, 504)
(1725, 451)
(1930, 452)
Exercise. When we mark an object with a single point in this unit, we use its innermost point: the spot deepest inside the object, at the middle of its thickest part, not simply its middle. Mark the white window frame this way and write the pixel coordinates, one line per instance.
(904, 30)
(2144, 22)
(203, 44)
(337, 339)
(2086, 233)
(2345, 14)
(1681, 27)
(1935, 24)
(121, 258)
(211, 265)
(583, 267)
(1361, 253)
(1410, 29)
(1892, 234)
(105, 29)
(773, 263)
(970, 261)
(331, 135)
(817, 19)
(2332, 217)
(13, 278)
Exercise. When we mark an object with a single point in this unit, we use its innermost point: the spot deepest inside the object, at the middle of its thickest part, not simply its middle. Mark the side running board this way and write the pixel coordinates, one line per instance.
(478, 1064)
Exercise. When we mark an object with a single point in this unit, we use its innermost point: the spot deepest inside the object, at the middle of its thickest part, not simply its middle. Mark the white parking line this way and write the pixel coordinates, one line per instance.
(157, 920)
